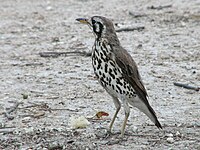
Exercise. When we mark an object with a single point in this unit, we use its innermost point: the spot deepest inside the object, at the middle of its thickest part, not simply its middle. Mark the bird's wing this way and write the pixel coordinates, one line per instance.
(130, 73)
(132, 76)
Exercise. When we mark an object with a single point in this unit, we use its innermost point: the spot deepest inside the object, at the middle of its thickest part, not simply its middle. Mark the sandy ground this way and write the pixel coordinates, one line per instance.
(50, 90)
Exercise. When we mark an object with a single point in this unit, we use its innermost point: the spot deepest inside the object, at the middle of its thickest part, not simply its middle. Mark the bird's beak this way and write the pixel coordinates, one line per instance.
(83, 20)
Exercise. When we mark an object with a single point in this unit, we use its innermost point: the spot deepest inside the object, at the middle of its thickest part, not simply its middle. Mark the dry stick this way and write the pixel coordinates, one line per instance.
(187, 86)
(56, 54)
(7, 130)
(159, 7)
(130, 29)
(7, 113)
(137, 15)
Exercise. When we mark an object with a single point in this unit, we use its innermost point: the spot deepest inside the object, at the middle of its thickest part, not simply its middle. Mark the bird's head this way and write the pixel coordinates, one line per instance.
(101, 26)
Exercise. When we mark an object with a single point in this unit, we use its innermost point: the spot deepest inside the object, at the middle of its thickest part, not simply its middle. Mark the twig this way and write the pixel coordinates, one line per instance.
(56, 54)
(113, 142)
(7, 113)
(136, 14)
(33, 64)
(159, 7)
(130, 29)
(55, 146)
(140, 135)
(187, 86)
(60, 109)
(7, 130)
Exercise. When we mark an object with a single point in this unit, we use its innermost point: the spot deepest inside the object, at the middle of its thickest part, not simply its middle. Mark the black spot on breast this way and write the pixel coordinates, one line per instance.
(128, 87)
(109, 80)
(102, 80)
(102, 57)
(119, 70)
(120, 91)
(115, 71)
(95, 63)
(96, 51)
(125, 84)
(104, 75)
(99, 72)
(118, 81)
(104, 46)
(106, 67)
(96, 74)
(99, 63)
(111, 74)
(112, 64)
(113, 87)
(103, 50)
(133, 95)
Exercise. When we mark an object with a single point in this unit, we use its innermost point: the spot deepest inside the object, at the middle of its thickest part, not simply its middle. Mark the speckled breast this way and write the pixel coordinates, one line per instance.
(108, 72)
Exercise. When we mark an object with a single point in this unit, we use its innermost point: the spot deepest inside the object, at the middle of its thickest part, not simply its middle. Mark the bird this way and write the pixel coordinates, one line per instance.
(117, 72)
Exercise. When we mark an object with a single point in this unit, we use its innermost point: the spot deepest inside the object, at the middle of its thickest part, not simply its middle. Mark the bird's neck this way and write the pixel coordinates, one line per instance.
(111, 39)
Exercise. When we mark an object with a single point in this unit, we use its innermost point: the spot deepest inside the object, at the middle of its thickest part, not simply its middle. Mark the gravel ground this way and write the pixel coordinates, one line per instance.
(38, 94)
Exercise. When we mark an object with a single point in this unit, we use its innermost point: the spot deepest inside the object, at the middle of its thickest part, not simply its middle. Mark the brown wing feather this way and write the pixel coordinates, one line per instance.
(130, 72)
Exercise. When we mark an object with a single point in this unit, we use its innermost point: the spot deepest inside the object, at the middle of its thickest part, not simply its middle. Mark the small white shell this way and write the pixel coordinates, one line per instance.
(80, 122)
(170, 140)
(169, 135)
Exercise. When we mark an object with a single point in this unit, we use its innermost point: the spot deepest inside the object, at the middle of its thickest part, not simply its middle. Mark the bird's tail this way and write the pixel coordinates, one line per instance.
(148, 110)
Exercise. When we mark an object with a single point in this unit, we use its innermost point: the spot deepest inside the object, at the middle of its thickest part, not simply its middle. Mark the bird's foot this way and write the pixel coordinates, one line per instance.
(116, 140)
(103, 133)
(108, 133)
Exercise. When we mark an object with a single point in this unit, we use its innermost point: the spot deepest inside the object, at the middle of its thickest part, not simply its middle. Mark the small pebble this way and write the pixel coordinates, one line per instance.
(169, 135)
(49, 8)
(170, 140)
(177, 133)
(134, 129)
(26, 119)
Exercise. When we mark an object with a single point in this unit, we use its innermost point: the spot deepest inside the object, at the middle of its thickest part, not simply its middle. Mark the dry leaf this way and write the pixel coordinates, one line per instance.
(100, 114)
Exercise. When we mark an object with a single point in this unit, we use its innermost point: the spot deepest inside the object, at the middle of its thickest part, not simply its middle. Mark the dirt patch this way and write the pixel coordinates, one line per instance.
(40, 94)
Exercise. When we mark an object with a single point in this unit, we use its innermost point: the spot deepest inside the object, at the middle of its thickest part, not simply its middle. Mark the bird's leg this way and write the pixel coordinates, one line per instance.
(127, 112)
(118, 106)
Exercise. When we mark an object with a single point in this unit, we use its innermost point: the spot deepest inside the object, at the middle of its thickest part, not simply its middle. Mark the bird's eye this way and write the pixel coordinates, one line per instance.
(93, 21)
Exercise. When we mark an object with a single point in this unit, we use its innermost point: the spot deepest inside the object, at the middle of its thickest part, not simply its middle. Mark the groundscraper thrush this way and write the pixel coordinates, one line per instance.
(116, 71)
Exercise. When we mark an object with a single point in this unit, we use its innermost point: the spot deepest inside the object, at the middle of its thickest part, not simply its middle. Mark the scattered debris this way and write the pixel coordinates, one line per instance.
(100, 114)
(170, 140)
(130, 29)
(159, 7)
(137, 14)
(78, 122)
(169, 135)
(25, 96)
(134, 129)
(55, 146)
(56, 54)
(10, 110)
(187, 86)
